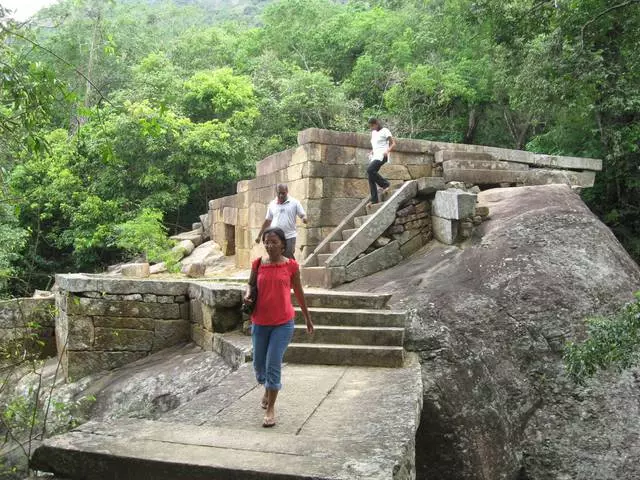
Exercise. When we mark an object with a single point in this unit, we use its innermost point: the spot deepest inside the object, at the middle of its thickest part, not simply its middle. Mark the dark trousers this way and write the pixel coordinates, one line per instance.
(290, 248)
(375, 179)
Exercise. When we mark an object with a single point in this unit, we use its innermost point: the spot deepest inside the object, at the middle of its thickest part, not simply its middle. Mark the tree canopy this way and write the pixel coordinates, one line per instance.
(122, 110)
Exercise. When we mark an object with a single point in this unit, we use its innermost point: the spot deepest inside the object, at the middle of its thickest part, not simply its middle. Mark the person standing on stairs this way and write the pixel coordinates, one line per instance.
(282, 213)
(273, 315)
(382, 142)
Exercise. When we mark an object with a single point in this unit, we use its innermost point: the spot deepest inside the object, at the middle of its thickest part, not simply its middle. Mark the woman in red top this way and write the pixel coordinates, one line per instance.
(273, 315)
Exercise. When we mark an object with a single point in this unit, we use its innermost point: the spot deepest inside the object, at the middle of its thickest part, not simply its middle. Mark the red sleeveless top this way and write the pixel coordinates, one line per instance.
(275, 281)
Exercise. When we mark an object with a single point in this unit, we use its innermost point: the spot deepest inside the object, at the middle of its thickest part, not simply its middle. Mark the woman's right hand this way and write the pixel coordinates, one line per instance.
(247, 299)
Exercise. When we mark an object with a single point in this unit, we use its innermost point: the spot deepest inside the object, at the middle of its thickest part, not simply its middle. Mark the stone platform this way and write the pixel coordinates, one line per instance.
(334, 422)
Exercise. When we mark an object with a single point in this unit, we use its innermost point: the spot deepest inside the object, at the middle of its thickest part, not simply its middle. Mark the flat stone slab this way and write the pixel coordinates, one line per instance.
(333, 423)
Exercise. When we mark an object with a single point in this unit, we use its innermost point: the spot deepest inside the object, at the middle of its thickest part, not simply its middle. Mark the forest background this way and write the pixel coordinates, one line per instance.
(119, 119)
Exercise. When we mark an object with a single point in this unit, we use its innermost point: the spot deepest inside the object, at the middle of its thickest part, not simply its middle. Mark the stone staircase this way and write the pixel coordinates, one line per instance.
(346, 254)
(350, 329)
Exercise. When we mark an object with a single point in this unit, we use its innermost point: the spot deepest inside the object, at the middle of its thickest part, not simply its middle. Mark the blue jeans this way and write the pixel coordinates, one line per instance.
(269, 345)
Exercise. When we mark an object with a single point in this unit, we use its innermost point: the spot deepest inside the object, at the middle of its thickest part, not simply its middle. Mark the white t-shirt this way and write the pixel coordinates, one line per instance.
(380, 143)
(283, 215)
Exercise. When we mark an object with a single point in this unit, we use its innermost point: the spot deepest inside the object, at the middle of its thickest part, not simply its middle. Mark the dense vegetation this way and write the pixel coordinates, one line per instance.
(135, 112)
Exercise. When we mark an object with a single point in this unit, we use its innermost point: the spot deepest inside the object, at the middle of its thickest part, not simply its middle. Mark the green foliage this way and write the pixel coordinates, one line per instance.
(612, 343)
(146, 235)
(124, 106)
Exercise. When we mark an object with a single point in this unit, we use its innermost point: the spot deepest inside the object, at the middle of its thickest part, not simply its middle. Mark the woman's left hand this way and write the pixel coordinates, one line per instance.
(309, 325)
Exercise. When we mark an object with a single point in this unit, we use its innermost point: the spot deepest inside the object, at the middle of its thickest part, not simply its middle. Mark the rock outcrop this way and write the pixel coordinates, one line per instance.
(489, 322)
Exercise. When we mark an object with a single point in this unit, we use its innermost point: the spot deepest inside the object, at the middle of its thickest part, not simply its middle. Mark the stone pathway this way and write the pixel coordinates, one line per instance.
(334, 422)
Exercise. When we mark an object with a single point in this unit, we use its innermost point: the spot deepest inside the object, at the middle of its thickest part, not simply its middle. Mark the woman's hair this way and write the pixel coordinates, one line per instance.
(278, 231)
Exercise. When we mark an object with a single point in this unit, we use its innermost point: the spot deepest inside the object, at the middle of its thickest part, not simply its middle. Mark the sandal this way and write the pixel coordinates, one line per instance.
(268, 422)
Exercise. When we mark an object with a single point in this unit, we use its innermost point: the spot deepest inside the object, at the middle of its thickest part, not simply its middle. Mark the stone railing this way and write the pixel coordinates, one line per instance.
(103, 323)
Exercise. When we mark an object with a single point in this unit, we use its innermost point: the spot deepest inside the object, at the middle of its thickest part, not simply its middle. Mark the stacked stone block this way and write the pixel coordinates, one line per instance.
(100, 331)
(22, 317)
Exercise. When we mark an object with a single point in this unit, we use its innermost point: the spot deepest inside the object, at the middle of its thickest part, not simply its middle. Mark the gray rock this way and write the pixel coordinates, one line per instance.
(183, 248)
(135, 270)
(381, 242)
(444, 229)
(193, 236)
(427, 186)
(42, 294)
(209, 253)
(489, 323)
(194, 270)
(158, 268)
(454, 204)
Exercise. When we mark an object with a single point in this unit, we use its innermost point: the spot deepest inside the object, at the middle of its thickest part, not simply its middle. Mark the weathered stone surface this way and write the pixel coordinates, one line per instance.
(168, 333)
(409, 210)
(429, 185)
(91, 306)
(418, 224)
(194, 270)
(482, 210)
(217, 295)
(481, 164)
(444, 229)
(381, 220)
(272, 163)
(454, 204)
(535, 176)
(329, 211)
(42, 294)
(184, 248)
(81, 333)
(331, 425)
(380, 259)
(416, 243)
(490, 322)
(345, 187)
(194, 237)
(226, 319)
(410, 218)
(80, 282)
(158, 268)
(381, 242)
(421, 171)
(135, 323)
(83, 363)
(404, 237)
(462, 155)
(229, 215)
(136, 270)
(123, 339)
(202, 337)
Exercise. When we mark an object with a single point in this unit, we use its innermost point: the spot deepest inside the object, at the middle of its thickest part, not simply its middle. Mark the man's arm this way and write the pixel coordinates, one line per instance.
(301, 213)
(265, 225)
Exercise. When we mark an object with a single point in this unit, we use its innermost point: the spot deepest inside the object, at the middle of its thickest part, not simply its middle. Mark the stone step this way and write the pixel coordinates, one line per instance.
(359, 221)
(313, 276)
(164, 451)
(357, 317)
(320, 298)
(333, 246)
(371, 209)
(234, 347)
(346, 234)
(322, 258)
(374, 336)
(330, 354)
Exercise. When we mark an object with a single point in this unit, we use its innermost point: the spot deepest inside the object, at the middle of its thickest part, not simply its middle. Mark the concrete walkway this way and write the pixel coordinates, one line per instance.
(334, 422)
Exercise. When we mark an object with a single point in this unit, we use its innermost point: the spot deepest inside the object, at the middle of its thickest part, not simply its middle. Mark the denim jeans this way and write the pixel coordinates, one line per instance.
(269, 345)
(376, 179)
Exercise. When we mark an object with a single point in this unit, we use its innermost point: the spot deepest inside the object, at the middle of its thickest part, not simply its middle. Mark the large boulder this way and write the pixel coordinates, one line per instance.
(490, 321)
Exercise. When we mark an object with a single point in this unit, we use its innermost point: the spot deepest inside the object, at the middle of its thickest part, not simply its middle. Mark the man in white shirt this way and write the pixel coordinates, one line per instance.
(282, 213)
(382, 142)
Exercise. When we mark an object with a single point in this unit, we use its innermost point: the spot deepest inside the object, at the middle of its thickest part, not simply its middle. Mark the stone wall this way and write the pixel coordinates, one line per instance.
(103, 323)
(327, 173)
(20, 318)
